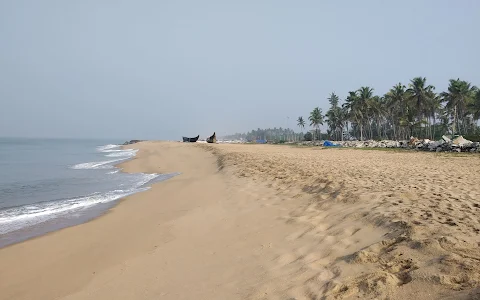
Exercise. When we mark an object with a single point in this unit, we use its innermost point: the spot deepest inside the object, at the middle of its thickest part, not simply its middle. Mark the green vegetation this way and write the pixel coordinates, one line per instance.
(270, 134)
(404, 111)
(316, 119)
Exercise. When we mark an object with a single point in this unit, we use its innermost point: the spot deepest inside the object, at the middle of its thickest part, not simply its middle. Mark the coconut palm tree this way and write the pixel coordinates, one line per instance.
(410, 120)
(301, 123)
(459, 95)
(343, 120)
(396, 100)
(474, 106)
(434, 106)
(444, 118)
(333, 99)
(334, 117)
(365, 95)
(377, 111)
(332, 120)
(354, 110)
(316, 119)
(419, 92)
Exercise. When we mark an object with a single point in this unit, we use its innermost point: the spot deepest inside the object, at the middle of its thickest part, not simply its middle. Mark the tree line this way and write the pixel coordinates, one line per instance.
(269, 134)
(415, 109)
(404, 111)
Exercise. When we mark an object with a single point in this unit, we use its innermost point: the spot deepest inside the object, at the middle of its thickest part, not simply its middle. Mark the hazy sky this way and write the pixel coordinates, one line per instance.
(163, 69)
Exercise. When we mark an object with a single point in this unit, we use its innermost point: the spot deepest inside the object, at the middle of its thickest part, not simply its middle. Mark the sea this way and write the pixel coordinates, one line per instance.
(49, 184)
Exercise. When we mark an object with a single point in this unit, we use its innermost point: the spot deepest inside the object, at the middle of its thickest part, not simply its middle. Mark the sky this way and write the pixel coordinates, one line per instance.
(165, 69)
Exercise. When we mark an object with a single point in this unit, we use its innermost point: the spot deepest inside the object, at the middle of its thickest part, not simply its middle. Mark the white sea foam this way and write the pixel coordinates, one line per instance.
(107, 148)
(15, 218)
(123, 153)
(107, 164)
(19, 217)
(97, 164)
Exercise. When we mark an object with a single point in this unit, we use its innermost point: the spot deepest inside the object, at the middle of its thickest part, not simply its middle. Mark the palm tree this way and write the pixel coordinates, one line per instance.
(316, 119)
(353, 110)
(410, 120)
(396, 100)
(365, 95)
(474, 106)
(332, 119)
(420, 93)
(443, 116)
(434, 108)
(334, 115)
(301, 123)
(376, 107)
(343, 120)
(459, 95)
(333, 99)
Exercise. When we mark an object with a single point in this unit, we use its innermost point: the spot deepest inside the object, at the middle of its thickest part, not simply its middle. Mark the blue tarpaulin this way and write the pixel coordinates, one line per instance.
(329, 144)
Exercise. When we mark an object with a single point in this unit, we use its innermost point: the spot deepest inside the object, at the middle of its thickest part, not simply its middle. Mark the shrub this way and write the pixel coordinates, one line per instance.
(473, 138)
(308, 136)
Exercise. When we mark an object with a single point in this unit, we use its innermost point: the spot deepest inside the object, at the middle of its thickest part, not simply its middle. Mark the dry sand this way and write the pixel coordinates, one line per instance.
(269, 222)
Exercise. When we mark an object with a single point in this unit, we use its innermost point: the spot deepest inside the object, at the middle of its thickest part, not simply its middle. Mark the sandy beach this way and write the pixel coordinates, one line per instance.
(269, 222)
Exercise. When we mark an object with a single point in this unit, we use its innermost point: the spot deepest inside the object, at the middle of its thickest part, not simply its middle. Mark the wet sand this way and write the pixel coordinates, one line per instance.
(269, 222)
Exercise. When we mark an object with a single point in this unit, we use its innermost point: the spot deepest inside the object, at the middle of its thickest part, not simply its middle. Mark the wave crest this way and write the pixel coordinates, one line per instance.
(107, 148)
(96, 165)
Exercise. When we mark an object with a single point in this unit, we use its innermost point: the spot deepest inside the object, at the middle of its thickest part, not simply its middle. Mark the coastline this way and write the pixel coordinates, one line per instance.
(76, 241)
(266, 222)
(87, 214)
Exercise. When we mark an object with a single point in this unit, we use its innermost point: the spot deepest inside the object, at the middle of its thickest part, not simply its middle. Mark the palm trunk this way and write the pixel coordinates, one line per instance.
(433, 131)
(361, 132)
(394, 130)
(371, 130)
(431, 128)
(426, 129)
(454, 120)
(379, 129)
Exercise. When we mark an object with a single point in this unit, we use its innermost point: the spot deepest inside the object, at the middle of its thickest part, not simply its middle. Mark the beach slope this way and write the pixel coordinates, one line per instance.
(198, 235)
(268, 222)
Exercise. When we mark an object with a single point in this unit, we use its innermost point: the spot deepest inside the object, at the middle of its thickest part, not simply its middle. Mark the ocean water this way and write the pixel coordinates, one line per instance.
(48, 184)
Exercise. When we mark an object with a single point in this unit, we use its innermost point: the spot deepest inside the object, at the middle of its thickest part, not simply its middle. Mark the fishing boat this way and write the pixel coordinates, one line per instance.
(190, 140)
(212, 139)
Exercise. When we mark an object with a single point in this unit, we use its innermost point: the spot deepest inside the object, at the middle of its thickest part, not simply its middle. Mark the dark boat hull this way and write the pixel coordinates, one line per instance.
(190, 140)
(212, 139)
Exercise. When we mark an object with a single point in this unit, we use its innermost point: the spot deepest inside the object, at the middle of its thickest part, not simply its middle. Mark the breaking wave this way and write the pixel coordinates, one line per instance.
(108, 164)
(15, 218)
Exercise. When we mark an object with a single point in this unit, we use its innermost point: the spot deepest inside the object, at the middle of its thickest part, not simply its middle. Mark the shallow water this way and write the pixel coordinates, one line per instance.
(48, 184)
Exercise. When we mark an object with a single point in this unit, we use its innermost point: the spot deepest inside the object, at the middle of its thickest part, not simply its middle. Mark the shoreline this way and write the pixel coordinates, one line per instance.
(266, 222)
(65, 221)
(20, 251)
